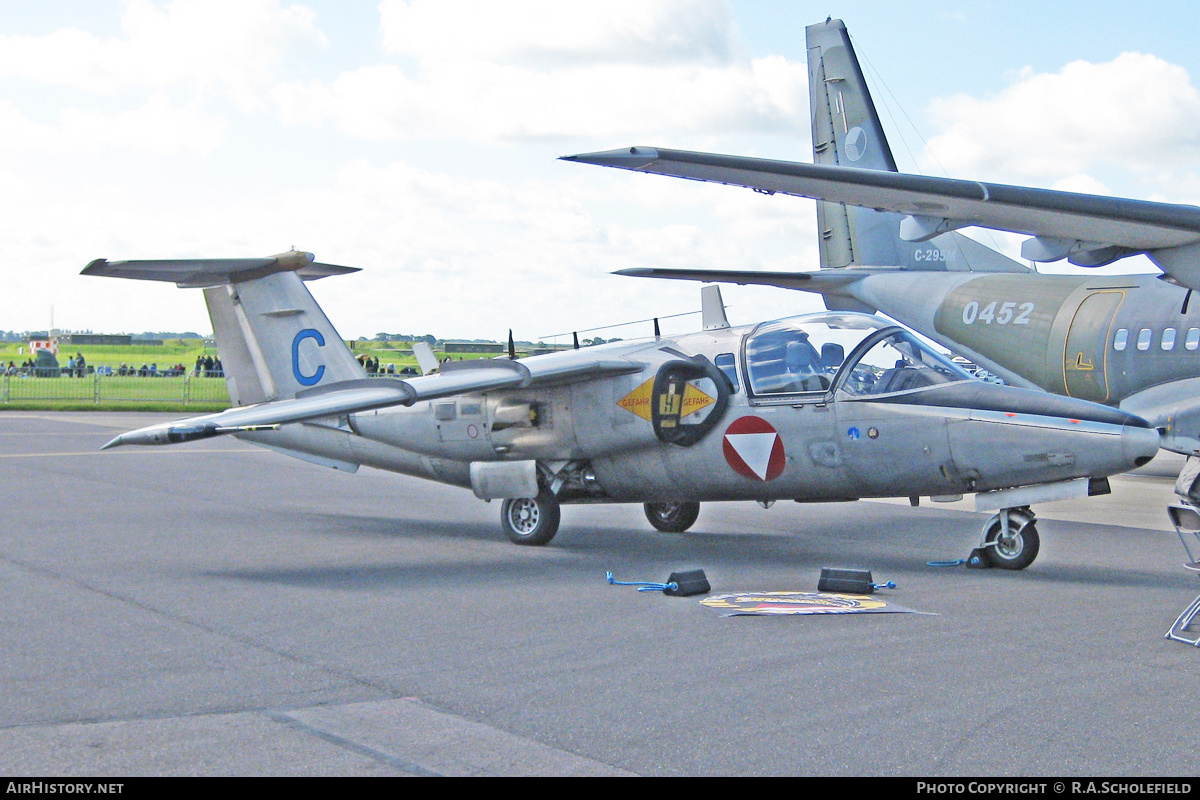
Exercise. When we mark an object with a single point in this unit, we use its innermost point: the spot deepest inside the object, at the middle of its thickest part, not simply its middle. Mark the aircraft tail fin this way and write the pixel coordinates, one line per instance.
(273, 340)
(426, 361)
(847, 131)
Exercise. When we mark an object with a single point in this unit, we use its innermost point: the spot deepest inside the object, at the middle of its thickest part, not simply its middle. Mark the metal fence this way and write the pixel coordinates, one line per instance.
(99, 388)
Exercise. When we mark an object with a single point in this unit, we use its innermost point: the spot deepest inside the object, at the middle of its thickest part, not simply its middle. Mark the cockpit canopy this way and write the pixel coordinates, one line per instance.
(855, 354)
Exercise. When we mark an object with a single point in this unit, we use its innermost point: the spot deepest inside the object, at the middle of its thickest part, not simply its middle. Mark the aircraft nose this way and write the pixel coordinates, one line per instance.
(1139, 442)
(1038, 437)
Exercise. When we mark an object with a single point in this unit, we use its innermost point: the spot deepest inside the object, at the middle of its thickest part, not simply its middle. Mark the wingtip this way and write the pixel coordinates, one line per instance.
(626, 157)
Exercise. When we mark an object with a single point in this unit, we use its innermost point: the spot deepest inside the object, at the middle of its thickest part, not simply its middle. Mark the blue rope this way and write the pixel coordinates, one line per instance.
(643, 586)
(957, 563)
(888, 585)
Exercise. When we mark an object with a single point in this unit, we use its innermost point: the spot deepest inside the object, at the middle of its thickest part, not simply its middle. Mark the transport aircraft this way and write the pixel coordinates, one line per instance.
(821, 407)
(888, 243)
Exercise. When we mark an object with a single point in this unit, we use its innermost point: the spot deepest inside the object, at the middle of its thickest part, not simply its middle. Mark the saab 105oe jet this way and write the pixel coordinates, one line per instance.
(888, 242)
(829, 406)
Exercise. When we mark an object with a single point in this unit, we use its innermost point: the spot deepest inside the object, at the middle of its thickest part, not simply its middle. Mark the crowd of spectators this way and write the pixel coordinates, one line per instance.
(77, 367)
(150, 371)
(370, 365)
(205, 367)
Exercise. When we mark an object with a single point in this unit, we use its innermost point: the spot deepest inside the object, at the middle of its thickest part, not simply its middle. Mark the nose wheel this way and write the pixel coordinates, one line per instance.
(530, 520)
(672, 517)
(1010, 539)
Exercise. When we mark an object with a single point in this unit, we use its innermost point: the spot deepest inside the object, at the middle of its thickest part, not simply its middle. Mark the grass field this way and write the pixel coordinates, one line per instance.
(184, 351)
(113, 392)
(189, 394)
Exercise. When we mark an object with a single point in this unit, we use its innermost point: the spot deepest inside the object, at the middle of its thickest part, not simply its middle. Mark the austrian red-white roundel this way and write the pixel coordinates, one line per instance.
(753, 449)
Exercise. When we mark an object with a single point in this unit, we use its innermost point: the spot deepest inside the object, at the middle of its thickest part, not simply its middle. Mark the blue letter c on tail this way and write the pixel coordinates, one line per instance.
(301, 378)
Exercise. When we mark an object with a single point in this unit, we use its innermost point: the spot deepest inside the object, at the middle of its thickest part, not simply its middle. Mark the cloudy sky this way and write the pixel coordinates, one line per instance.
(417, 139)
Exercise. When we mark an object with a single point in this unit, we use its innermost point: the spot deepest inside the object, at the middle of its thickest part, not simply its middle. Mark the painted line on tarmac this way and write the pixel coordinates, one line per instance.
(410, 735)
(376, 755)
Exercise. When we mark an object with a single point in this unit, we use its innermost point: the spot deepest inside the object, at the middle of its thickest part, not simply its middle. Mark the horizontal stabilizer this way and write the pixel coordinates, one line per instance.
(203, 272)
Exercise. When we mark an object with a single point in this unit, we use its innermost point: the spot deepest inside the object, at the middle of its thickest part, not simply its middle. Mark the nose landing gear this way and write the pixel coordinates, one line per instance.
(1010, 539)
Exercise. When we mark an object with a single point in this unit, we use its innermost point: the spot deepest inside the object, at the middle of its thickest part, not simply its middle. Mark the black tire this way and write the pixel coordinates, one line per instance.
(530, 520)
(1020, 548)
(672, 517)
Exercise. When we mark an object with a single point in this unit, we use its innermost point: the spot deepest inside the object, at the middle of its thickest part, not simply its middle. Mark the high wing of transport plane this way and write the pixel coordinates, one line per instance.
(828, 406)
(887, 243)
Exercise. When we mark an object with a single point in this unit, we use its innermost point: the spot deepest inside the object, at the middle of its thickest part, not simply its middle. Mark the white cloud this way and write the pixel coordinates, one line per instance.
(156, 127)
(440, 254)
(495, 102)
(551, 33)
(490, 102)
(486, 73)
(1136, 111)
(446, 246)
(157, 86)
(232, 44)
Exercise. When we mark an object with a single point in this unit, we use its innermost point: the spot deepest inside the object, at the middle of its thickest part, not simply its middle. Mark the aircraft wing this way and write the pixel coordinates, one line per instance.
(1089, 230)
(814, 281)
(366, 394)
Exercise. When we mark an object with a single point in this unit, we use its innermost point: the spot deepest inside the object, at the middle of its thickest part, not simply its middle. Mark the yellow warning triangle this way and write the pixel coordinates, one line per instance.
(694, 400)
(638, 401)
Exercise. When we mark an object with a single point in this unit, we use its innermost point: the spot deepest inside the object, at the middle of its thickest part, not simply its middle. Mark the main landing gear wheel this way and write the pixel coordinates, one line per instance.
(672, 517)
(530, 520)
(1018, 548)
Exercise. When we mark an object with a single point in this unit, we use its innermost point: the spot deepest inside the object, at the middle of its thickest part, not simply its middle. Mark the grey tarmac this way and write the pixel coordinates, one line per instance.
(217, 609)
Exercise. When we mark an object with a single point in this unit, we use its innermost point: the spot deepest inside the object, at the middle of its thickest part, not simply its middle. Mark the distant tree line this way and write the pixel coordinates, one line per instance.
(401, 337)
(21, 336)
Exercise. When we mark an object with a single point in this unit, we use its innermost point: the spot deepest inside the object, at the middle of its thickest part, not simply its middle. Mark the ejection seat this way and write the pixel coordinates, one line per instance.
(1185, 516)
(832, 356)
(800, 362)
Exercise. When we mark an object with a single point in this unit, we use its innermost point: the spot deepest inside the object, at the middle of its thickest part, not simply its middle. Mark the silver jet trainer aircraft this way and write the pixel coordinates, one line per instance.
(888, 243)
(829, 406)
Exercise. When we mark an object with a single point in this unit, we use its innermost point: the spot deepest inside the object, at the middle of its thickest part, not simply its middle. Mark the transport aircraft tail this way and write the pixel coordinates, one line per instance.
(273, 338)
(846, 131)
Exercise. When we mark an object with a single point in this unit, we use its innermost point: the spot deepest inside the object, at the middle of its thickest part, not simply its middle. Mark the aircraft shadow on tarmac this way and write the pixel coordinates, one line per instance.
(855, 542)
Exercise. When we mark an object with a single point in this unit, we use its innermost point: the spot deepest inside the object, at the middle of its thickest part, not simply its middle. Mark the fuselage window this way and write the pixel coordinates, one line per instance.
(1192, 341)
(1121, 339)
(1143, 340)
(1168, 339)
(728, 364)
